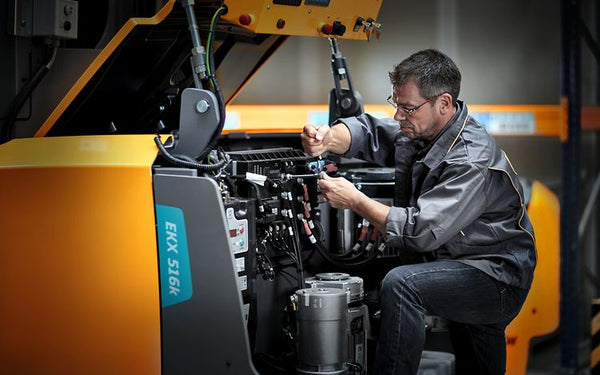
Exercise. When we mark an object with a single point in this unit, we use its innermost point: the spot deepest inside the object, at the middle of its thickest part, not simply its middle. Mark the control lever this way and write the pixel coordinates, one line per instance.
(343, 102)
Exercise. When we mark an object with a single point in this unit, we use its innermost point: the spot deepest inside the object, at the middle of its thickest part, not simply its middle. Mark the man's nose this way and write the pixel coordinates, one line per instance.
(399, 115)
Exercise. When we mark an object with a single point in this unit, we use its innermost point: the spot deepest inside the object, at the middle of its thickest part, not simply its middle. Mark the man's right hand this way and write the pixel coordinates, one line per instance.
(315, 139)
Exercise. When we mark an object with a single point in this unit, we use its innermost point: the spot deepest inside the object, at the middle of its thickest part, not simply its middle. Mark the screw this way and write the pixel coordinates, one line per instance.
(202, 106)
(346, 103)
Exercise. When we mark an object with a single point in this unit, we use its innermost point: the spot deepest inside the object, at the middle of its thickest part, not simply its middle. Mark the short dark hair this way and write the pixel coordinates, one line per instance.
(431, 71)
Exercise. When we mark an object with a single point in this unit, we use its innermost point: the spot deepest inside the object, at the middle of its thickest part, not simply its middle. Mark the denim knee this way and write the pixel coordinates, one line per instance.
(398, 282)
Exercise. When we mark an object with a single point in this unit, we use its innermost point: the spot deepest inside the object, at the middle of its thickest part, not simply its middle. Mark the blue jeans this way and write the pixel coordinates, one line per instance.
(478, 307)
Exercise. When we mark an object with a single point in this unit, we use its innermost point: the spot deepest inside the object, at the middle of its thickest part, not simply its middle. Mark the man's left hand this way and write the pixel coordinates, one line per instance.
(340, 192)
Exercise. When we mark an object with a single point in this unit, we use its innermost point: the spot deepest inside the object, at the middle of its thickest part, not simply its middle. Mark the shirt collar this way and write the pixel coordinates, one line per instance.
(445, 140)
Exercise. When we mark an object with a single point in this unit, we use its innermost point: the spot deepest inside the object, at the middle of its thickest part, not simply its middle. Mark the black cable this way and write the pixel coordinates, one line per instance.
(7, 130)
(281, 245)
(358, 255)
(184, 157)
(187, 163)
(231, 184)
(343, 255)
(297, 248)
(338, 262)
(309, 257)
(262, 243)
(292, 257)
(340, 256)
(314, 248)
(256, 189)
(341, 262)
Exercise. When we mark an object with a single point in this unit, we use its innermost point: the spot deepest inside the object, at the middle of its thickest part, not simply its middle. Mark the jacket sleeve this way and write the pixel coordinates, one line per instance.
(372, 139)
(456, 200)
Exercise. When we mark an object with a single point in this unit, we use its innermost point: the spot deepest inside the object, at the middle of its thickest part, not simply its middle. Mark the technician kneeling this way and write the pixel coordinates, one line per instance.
(458, 202)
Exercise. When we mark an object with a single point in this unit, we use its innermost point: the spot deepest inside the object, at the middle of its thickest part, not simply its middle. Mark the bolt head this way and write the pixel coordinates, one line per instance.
(202, 106)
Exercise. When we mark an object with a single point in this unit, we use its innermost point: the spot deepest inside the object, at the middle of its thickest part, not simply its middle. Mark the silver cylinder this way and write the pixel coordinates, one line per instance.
(321, 331)
(352, 285)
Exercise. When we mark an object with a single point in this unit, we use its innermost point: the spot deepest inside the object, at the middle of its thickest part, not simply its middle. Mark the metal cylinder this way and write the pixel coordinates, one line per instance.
(358, 314)
(321, 331)
(352, 285)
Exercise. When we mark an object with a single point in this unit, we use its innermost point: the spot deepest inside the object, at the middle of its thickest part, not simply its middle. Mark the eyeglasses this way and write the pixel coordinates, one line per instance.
(408, 111)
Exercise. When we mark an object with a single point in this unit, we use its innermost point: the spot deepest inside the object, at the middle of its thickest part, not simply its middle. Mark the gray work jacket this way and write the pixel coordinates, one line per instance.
(462, 198)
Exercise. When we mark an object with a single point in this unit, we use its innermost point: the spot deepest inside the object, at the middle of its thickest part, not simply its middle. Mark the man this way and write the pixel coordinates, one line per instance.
(458, 202)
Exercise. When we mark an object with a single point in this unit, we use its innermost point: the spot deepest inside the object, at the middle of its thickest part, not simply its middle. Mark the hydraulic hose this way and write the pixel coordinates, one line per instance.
(339, 263)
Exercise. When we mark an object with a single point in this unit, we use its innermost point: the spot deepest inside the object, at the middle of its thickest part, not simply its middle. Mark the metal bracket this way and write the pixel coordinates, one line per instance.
(198, 121)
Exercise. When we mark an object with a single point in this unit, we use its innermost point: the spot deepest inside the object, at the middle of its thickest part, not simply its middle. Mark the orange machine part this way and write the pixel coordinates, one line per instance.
(78, 261)
(540, 313)
(303, 18)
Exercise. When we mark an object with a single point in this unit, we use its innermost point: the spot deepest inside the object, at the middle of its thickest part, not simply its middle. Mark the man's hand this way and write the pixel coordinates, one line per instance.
(315, 139)
(340, 192)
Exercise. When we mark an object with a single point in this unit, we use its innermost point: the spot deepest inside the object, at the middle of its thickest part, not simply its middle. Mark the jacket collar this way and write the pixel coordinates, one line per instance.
(446, 140)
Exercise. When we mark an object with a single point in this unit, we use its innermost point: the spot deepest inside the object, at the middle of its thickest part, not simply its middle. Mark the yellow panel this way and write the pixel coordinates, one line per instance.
(132, 150)
(78, 261)
(303, 19)
(548, 118)
(540, 313)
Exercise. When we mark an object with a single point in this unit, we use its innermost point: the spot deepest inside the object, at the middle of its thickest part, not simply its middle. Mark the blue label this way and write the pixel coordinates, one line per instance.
(318, 118)
(173, 256)
(482, 118)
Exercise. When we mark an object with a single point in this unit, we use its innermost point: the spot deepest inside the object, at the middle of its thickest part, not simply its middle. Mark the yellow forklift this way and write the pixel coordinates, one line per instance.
(136, 238)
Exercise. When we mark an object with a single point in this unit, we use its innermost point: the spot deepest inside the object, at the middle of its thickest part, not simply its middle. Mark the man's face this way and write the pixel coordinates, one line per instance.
(417, 116)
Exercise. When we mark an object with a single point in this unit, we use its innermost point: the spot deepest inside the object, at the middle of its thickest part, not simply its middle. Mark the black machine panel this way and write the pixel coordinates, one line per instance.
(269, 162)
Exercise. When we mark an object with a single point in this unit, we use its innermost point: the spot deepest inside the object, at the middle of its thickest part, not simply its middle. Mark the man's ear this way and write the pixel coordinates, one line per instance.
(445, 103)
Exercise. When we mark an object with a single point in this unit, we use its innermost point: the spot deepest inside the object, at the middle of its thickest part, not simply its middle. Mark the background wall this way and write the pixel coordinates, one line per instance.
(508, 52)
